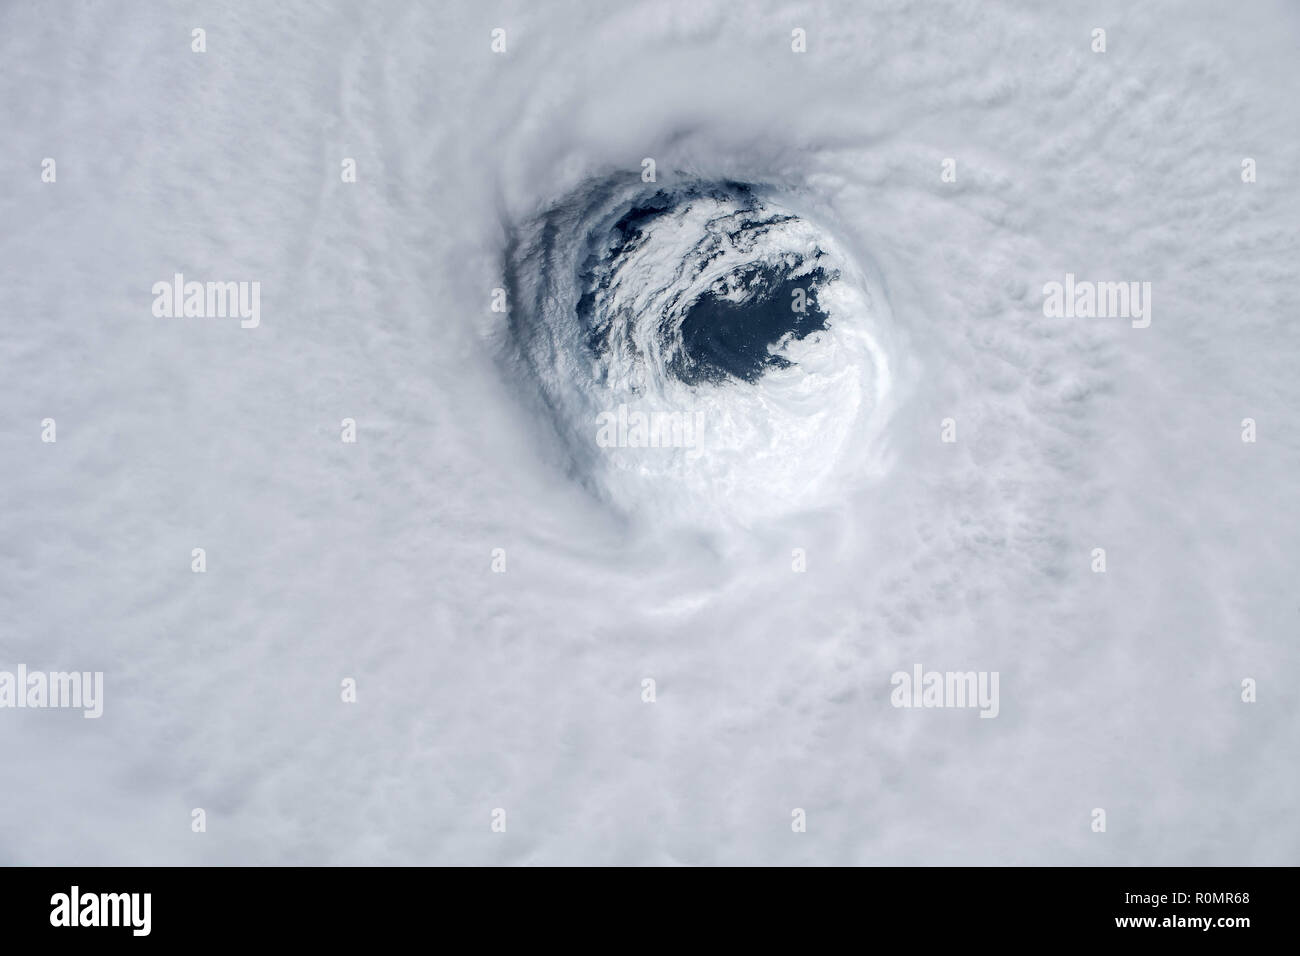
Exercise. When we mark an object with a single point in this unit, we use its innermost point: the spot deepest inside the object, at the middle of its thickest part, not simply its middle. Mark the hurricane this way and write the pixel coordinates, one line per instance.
(717, 311)
(630, 417)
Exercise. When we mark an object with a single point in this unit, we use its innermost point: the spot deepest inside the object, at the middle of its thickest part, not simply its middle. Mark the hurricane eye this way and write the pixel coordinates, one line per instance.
(725, 336)
(703, 345)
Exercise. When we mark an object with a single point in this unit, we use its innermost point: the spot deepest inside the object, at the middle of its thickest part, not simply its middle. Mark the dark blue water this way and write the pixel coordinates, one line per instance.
(721, 339)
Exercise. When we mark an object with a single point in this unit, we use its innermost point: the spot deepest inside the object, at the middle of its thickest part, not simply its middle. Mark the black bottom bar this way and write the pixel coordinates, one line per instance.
(334, 906)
